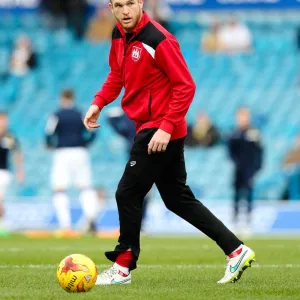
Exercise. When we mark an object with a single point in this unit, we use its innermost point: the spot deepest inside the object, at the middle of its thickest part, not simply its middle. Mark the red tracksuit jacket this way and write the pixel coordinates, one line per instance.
(158, 85)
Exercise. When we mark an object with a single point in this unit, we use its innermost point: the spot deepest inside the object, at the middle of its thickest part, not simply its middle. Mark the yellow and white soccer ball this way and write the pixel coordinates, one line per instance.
(77, 273)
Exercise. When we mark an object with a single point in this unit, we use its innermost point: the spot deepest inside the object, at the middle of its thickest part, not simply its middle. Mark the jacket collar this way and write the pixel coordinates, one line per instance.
(145, 19)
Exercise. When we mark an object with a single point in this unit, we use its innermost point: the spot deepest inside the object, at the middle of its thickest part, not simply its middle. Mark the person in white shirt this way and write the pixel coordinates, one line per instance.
(23, 58)
(234, 37)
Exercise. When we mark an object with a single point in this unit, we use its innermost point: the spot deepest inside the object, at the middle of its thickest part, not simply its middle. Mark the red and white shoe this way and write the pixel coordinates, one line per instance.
(113, 276)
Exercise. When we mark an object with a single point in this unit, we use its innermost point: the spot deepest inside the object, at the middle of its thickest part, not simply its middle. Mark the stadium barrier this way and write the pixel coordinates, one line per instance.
(268, 217)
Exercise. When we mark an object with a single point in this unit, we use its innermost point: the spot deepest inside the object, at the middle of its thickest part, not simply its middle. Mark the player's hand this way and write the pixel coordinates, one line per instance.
(159, 142)
(20, 176)
(91, 117)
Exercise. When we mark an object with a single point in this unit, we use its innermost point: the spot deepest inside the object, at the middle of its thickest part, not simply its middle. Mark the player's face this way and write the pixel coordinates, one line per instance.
(3, 124)
(127, 12)
(66, 102)
(243, 118)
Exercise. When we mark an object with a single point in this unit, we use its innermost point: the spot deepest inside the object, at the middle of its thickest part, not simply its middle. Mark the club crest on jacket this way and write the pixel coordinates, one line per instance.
(136, 53)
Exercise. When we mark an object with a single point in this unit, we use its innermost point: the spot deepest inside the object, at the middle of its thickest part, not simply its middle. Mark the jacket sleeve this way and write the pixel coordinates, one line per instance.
(51, 130)
(169, 59)
(113, 84)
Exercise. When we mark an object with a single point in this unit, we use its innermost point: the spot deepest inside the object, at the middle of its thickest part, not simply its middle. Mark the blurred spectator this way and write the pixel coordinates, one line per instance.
(203, 133)
(246, 153)
(72, 11)
(234, 37)
(66, 133)
(291, 164)
(160, 11)
(293, 156)
(8, 145)
(101, 25)
(23, 58)
(210, 39)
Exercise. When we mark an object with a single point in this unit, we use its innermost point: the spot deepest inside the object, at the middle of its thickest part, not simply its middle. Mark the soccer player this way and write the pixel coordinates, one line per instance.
(246, 153)
(66, 133)
(8, 144)
(146, 60)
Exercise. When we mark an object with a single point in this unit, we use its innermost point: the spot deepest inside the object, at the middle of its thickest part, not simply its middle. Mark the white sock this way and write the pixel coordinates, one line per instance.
(62, 207)
(122, 269)
(90, 204)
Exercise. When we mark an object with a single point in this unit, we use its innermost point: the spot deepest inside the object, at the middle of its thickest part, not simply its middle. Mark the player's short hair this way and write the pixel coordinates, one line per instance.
(68, 94)
(3, 113)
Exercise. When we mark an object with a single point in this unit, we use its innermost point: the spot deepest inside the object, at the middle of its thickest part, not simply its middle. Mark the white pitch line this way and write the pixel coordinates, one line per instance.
(101, 248)
(204, 266)
(11, 249)
(145, 247)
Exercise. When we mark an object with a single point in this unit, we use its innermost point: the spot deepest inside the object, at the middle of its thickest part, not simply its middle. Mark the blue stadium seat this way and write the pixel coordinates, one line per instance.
(265, 80)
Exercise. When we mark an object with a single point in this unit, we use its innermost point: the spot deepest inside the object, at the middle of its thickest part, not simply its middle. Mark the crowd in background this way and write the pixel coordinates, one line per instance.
(223, 37)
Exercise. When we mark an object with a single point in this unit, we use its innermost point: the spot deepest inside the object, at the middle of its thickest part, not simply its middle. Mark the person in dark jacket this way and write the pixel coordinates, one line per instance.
(66, 134)
(246, 153)
(73, 11)
(203, 133)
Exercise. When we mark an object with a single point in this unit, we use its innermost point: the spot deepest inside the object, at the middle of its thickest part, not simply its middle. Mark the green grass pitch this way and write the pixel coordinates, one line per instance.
(169, 268)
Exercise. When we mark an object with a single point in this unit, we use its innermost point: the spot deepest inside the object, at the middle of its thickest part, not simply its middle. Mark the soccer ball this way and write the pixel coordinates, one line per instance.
(77, 273)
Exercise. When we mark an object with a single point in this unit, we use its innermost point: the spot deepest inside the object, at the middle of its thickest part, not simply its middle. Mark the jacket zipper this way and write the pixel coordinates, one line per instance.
(125, 51)
(150, 105)
(127, 44)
